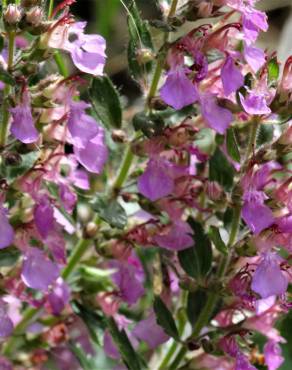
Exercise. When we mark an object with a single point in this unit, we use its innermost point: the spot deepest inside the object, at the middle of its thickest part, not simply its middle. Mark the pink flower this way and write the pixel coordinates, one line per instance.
(44, 216)
(149, 331)
(178, 90)
(218, 118)
(255, 104)
(22, 126)
(254, 56)
(268, 279)
(156, 182)
(38, 272)
(178, 236)
(6, 230)
(231, 77)
(272, 352)
(87, 51)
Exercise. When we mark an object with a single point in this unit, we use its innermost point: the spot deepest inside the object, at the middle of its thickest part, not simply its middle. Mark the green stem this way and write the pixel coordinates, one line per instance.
(7, 89)
(30, 313)
(27, 317)
(124, 170)
(75, 257)
(51, 8)
(252, 138)
(61, 65)
(212, 300)
(172, 8)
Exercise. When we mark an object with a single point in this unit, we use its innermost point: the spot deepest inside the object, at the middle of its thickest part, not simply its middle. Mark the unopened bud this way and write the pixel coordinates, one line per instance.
(119, 136)
(207, 345)
(144, 56)
(157, 103)
(30, 3)
(90, 230)
(286, 137)
(34, 16)
(213, 190)
(12, 14)
(193, 345)
(12, 159)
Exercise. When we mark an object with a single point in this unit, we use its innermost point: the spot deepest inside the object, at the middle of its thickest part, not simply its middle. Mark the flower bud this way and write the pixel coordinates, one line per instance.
(90, 230)
(34, 16)
(213, 190)
(12, 14)
(12, 159)
(30, 3)
(144, 56)
(119, 136)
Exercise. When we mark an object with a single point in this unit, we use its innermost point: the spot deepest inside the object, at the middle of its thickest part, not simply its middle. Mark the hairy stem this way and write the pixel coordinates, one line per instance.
(7, 90)
(213, 297)
(51, 8)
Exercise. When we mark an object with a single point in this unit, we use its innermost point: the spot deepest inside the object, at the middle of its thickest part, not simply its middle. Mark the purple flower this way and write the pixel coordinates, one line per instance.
(231, 77)
(217, 118)
(254, 104)
(6, 324)
(44, 216)
(273, 352)
(178, 90)
(253, 21)
(200, 66)
(56, 244)
(6, 230)
(82, 127)
(95, 154)
(156, 182)
(59, 296)
(67, 197)
(22, 126)
(242, 363)
(177, 238)
(109, 347)
(150, 332)
(87, 51)
(38, 272)
(268, 279)
(5, 364)
(255, 213)
(129, 280)
(254, 56)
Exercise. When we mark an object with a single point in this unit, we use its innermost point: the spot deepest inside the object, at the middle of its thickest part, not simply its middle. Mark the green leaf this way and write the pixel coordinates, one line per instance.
(195, 303)
(94, 322)
(110, 211)
(126, 350)
(221, 170)
(150, 125)
(140, 38)
(265, 134)
(9, 256)
(6, 77)
(217, 240)
(11, 173)
(106, 102)
(273, 70)
(232, 145)
(205, 140)
(196, 261)
(164, 318)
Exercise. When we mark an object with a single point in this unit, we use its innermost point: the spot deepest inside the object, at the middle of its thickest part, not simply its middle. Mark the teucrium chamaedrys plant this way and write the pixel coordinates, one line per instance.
(176, 256)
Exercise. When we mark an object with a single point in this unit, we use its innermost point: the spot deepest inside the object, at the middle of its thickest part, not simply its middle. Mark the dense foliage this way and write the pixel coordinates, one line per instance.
(144, 236)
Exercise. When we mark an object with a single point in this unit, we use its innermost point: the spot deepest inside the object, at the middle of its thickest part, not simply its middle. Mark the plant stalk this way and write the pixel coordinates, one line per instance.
(7, 90)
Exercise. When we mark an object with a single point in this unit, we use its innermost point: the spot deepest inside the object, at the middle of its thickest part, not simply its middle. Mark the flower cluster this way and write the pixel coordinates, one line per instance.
(182, 246)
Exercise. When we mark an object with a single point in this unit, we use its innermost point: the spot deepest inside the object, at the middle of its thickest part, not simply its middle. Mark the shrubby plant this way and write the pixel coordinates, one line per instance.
(144, 237)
